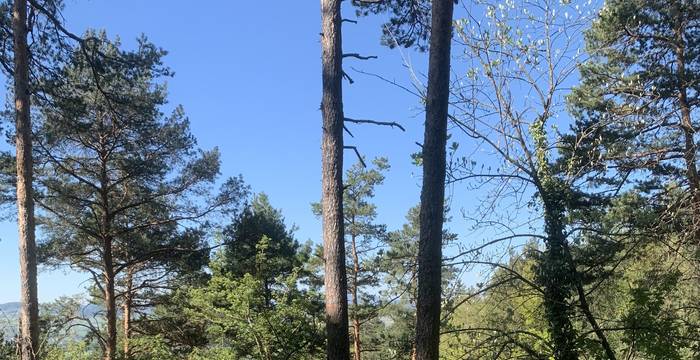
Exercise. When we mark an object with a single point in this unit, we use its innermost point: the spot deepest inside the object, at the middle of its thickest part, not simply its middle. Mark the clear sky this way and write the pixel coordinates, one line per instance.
(248, 76)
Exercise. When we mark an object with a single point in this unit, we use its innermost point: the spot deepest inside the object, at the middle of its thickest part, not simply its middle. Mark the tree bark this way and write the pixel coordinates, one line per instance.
(110, 303)
(433, 190)
(335, 280)
(688, 129)
(127, 312)
(586, 309)
(357, 346)
(108, 260)
(29, 308)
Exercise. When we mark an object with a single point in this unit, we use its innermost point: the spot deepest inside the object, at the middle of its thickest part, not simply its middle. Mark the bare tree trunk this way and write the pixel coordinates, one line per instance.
(110, 303)
(335, 281)
(586, 309)
(357, 347)
(108, 261)
(29, 310)
(433, 190)
(127, 312)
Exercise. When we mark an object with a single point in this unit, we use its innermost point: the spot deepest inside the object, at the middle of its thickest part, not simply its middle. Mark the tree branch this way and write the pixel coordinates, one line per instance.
(374, 122)
(359, 157)
(358, 56)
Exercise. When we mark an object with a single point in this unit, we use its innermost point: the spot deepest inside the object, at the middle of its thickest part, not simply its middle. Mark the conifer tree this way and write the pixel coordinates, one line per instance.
(114, 167)
(29, 314)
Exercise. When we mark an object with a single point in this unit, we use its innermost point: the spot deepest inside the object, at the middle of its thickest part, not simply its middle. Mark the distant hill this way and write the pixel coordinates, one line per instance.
(11, 307)
(9, 319)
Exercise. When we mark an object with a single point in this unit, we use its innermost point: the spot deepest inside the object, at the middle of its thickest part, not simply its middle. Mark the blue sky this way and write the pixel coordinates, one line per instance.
(248, 77)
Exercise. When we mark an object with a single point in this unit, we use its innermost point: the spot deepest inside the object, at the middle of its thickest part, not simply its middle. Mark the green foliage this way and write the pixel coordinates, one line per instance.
(8, 348)
(648, 321)
(72, 350)
(151, 348)
(502, 319)
(255, 304)
(169, 323)
(215, 353)
(241, 318)
(409, 21)
(243, 238)
(628, 103)
(612, 199)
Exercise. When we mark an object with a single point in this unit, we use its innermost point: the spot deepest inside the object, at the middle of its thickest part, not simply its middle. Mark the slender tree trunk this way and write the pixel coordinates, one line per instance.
(688, 129)
(29, 310)
(108, 260)
(127, 312)
(585, 308)
(110, 303)
(357, 347)
(433, 190)
(335, 281)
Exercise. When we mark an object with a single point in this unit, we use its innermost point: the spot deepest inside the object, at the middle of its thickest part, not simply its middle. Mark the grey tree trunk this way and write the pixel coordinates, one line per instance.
(335, 281)
(109, 274)
(29, 310)
(433, 190)
(128, 299)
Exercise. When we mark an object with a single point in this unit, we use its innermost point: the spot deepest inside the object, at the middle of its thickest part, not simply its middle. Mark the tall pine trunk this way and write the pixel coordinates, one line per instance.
(433, 190)
(109, 275)
(128, 300)
(110, 302)
(357, 345)
(335, 281)
(29, 310)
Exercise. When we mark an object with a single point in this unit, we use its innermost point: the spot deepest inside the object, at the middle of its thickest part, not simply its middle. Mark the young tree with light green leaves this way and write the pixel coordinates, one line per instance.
(255, 304)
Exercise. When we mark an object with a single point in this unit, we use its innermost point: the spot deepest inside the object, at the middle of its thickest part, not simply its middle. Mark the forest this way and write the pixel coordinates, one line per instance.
(559, 212)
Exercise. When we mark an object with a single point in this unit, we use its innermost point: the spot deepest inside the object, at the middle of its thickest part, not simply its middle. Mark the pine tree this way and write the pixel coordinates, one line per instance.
(364, 237)
(637, 97)
(241, 238)
(29, 313)
(110, 158)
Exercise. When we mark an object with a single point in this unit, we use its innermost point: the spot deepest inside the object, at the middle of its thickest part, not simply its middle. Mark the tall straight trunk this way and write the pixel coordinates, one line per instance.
(357, 345)
(29, 308)
(335, 282)
(110, 302)
(109, 274)
(433, 191)
(127, 312)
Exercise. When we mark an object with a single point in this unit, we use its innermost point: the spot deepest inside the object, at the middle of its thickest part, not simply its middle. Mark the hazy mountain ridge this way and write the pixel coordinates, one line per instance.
(9, 316)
